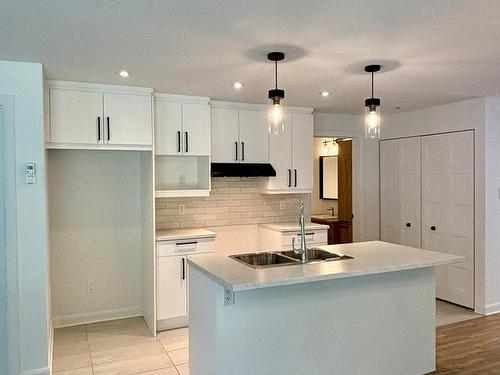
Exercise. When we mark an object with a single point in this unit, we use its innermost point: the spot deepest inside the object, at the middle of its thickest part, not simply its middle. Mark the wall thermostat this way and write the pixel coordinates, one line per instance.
(30, 173)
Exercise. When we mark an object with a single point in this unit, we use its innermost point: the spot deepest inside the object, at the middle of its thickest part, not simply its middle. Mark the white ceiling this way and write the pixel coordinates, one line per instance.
(433, 51)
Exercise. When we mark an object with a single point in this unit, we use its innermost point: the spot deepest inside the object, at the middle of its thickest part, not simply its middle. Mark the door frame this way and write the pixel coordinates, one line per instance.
(9, 170)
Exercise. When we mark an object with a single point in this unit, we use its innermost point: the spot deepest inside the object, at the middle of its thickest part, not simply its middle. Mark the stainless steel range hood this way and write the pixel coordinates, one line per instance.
(243, 170)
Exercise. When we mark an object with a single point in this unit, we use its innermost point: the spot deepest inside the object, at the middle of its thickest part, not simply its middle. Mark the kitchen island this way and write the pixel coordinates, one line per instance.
(372, 314)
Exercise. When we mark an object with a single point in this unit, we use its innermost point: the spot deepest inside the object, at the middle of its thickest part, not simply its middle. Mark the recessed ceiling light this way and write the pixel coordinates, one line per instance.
(237, 85)
(124, 74)
(324, 94)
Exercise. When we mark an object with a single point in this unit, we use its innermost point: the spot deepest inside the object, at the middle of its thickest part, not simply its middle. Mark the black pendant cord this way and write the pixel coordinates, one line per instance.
(372, 85)
(276, 75)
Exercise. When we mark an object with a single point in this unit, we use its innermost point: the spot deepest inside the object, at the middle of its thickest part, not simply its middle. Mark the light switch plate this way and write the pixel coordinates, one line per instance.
(30, 173)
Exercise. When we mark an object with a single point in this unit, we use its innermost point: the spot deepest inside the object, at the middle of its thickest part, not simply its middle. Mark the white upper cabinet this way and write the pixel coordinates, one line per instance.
(83, 115)
(224, 135)
(239, 135)
(182, 125)
(127, 119)
(291, 155)
(168, 128)
(196, 128)
(254, 136)
(75, 116)
(302, 151)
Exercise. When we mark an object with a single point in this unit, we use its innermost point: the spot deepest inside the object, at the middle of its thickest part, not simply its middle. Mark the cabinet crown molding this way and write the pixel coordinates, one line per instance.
(256, 107)
(97, 87)
(181, 98)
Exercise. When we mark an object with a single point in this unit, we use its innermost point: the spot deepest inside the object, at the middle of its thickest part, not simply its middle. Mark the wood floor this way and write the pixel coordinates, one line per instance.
(471, 347)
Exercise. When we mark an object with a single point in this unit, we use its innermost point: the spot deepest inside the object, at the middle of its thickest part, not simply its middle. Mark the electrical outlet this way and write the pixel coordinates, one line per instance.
(182, 180)
(282, 205)
(91, 287)
(181, 208)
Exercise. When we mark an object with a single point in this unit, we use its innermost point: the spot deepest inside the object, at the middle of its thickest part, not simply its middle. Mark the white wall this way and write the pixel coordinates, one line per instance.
(492, 205)
(365, 170)
(95, 205)
(3, 256)
(24, 82)
(465, 115)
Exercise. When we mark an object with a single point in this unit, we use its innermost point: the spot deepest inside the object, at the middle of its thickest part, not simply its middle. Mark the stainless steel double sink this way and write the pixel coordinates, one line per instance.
(286, 258)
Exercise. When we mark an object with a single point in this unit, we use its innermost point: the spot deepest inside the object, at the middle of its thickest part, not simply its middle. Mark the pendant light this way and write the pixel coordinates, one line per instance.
(276, 111)
(372, 109)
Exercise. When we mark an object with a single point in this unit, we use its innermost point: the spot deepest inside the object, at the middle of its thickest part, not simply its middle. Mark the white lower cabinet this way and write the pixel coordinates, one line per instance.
(172, 278)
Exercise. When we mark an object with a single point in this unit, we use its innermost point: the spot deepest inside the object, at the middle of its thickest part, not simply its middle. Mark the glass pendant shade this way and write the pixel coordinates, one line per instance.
(372, 121)
(276, 116)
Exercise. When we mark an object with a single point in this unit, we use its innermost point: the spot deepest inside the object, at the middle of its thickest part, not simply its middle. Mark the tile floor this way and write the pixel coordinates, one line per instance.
(448, 313)
(119, 347)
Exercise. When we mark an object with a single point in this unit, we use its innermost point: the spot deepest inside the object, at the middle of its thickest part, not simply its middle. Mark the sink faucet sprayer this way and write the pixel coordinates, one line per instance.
(303, 247)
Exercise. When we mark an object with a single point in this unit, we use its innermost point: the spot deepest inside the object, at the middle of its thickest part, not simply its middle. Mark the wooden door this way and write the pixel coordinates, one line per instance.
(76, 117)
(225, 145)
(171, 287)
(128, 119)
(302, 151)
(196, 129)
(448, 211)
(345, 191)
(254, 136)
(168, 128)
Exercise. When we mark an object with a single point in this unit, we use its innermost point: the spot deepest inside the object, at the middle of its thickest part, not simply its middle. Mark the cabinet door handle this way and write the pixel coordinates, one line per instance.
(242, 151)
(433, 227)
(295, 184)
(236, 146)
(99, 128)
(186, 243)
(187, 142)
(408, 225)
(289, 178)
(178, 141)
(183, 269)
(107, 125)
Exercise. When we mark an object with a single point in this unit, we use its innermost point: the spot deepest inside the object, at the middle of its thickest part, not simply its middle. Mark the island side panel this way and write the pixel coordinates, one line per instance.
(376, 324)
(205, 295)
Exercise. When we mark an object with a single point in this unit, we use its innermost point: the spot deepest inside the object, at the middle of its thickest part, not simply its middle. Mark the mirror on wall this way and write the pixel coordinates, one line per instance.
(328, 177)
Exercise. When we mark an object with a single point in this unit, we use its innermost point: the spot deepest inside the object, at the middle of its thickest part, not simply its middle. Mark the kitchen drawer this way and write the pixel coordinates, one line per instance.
(185, 247)
(314, 237)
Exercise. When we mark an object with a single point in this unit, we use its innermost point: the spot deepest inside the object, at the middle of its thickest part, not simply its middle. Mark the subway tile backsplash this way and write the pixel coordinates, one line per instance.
(232, 201)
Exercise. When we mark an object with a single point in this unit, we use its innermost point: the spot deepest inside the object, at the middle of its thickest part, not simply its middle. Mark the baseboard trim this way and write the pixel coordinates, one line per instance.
(494, 308)
(37, 371)
(93, 317)
(166, 324)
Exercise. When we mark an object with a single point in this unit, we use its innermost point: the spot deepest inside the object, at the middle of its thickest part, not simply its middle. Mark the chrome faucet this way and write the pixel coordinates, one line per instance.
(303, 247)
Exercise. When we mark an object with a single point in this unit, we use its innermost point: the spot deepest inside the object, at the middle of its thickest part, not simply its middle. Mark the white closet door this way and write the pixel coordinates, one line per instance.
(448, 211)
(389, 191)
(410, 216)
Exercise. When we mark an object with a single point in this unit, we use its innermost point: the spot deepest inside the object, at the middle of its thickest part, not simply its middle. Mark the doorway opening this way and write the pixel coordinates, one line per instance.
(331, 201)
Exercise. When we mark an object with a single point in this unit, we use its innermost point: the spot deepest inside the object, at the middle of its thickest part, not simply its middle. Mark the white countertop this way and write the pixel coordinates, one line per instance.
(293, 227)
(369, 258)
(182, 234)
